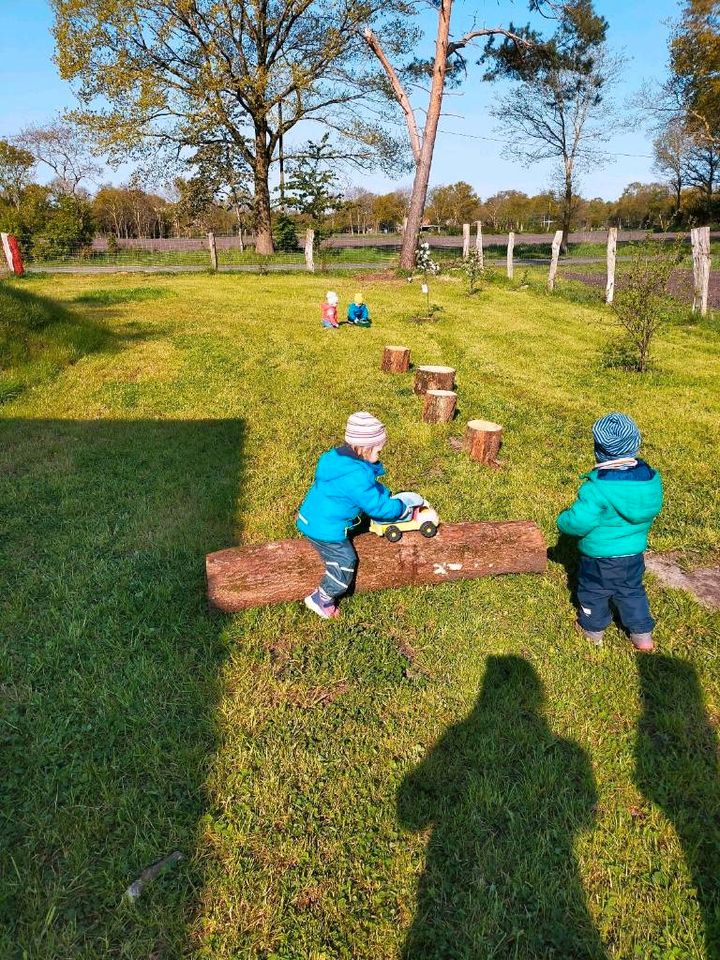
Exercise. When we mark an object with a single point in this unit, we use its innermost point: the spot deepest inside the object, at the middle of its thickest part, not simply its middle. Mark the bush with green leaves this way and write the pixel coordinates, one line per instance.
(642, 305)
(285, 234)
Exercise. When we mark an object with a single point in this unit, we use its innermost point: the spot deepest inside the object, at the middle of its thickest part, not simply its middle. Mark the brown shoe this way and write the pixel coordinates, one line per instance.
(643, 642)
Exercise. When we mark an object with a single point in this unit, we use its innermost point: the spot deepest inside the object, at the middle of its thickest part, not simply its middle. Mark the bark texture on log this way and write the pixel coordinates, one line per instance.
(479, 245)
(243, 577)
(433, 378)
(482, 441)
(700, 237)
(439, 406)
(310, 251)
(212, 247)
(395, 360)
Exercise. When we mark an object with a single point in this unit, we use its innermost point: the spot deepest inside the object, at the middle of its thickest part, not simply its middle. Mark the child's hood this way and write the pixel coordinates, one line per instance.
(342, 462)
(637, 501)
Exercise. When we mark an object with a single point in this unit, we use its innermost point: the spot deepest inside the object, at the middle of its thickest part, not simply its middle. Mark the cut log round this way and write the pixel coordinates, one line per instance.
(395, 360)
(439, 406)
(482, 441)
(243, 577)
(433, 378)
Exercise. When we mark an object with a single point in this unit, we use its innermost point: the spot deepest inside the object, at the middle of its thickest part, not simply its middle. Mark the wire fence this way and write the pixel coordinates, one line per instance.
(338, 252)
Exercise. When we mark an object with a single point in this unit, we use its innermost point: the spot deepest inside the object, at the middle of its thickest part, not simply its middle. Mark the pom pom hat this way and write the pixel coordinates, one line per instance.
(365, 430)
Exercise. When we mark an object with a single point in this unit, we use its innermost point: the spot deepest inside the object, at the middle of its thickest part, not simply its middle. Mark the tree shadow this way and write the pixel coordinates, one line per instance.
(504, 797)
(109, 672)
(677, 769)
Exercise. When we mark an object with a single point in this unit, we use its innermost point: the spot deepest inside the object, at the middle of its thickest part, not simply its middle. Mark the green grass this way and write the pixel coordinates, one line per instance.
(226, 258)
(445, 772)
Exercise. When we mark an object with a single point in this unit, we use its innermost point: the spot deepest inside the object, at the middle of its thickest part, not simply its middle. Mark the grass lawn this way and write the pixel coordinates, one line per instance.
(446, 772)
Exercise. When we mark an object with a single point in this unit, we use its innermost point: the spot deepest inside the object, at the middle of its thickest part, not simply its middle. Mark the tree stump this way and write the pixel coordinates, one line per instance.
(395, 360)
(433, 378)
(482, 441)
(439, 406)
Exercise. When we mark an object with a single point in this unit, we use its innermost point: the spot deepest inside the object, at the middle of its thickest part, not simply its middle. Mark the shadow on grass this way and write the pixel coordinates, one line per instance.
(39, 338)
(504, 797)
(109, 664)
(677, 769)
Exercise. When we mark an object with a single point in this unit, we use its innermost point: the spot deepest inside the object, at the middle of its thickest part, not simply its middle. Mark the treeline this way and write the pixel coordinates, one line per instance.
(63, 217)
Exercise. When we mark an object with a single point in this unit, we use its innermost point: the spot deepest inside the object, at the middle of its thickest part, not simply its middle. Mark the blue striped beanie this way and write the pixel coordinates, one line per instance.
(616, 435)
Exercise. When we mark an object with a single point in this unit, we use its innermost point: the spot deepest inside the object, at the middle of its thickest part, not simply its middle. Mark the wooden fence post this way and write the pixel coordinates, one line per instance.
(557, 240)
(510, 248)
(213, 251)
(240, 237)
(466, 241)
(310, 250)
(611, 251)
(700, 237)
(478, 244)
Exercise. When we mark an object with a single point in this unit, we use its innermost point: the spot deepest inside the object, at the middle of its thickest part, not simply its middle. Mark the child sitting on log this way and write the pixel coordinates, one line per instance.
(611, 517)
(358, 313)
(329, 310)
(346, 485)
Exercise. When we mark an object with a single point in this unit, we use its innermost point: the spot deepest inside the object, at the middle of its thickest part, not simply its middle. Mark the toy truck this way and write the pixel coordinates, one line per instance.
(424, 519)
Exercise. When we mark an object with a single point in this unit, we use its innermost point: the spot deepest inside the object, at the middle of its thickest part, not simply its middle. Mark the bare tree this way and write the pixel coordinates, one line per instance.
(577, 20)
(562, 114)
(66, 149)
(671, 147)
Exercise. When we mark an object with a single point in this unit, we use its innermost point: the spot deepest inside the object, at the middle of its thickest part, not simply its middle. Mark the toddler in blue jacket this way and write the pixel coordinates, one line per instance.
(346, 485)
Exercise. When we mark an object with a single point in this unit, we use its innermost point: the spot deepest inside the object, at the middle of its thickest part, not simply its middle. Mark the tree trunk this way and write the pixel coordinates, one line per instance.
(482, 441)
(439, 406)
(263, 223)
(243, 577)
(433, 378)
(395, 360)
(418, 196)
(566, 211)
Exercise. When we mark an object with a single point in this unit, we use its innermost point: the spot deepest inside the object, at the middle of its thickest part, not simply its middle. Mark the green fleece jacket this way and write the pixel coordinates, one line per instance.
(612, 514)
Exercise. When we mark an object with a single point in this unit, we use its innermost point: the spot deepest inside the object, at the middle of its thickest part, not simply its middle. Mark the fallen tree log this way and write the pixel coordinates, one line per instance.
(254, 576)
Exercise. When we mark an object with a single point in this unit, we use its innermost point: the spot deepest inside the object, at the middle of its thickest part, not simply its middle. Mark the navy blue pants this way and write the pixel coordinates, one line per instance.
(616, 579)
(340, 564)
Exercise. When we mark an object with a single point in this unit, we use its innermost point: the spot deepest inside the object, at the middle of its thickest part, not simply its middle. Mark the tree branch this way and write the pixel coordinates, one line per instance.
(400, 94)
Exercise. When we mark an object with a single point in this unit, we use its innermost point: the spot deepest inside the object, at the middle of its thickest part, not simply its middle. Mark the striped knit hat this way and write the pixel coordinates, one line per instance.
(364, 430)
(616, 435)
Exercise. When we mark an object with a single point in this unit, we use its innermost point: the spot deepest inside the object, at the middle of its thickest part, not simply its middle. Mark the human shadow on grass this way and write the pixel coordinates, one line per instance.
(504, 797)
(109, 673)
(677, 769)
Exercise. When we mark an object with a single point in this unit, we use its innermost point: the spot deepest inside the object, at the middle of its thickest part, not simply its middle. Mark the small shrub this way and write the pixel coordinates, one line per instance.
(642, 306)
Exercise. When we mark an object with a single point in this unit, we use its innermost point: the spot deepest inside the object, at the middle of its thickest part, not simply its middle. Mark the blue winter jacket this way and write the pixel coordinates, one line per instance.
(345, 486)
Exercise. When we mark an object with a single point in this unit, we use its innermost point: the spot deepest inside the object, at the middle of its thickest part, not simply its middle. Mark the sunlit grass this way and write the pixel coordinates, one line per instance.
(564, 802)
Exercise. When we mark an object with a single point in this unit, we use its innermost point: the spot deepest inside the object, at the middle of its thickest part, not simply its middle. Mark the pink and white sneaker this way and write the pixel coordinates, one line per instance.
(323, 608)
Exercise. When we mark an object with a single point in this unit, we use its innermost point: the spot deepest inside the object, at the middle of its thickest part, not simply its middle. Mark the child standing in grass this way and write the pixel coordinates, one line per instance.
(346, 485)
(611, 518)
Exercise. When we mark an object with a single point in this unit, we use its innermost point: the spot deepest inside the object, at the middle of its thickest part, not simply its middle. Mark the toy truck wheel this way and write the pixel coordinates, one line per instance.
(428, 529)
(393, 534)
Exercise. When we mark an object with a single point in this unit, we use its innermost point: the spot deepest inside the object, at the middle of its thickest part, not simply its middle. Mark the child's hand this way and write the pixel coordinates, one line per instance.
(410, 499)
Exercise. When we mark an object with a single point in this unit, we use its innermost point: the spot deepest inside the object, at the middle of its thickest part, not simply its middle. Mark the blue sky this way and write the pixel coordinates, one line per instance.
(32, 92)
